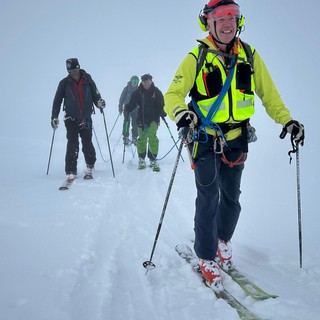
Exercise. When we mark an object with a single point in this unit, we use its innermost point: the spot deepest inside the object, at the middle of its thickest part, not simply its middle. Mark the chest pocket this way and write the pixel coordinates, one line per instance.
(212, 80)
(243, 77)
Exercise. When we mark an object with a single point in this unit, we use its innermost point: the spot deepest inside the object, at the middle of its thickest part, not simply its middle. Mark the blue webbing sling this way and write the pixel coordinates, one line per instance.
(207, 121)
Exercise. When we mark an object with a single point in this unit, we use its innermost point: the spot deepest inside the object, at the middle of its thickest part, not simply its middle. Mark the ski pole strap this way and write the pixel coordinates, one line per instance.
(294, 149)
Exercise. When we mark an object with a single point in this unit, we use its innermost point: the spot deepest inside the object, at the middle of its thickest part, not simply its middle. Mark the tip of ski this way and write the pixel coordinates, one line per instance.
(249, 287)
(67, 183)
(63, 188)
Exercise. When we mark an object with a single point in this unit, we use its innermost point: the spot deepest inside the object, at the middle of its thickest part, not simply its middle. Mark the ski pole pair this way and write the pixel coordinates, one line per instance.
(105, 126)
(149, 265)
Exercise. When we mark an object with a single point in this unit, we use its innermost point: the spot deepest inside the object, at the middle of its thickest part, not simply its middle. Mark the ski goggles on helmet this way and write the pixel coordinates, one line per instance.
(223, 11)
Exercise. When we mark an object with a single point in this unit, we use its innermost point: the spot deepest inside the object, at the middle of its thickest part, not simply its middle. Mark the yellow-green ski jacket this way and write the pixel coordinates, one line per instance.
(238, 103)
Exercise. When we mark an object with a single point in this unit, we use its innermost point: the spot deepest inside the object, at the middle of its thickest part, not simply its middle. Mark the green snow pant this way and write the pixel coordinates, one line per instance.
(148, 137)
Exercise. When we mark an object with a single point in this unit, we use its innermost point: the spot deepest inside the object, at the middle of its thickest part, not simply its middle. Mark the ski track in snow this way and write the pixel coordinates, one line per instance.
(111, 281)
(112, 263)
(110, 225)
(77, 255)
(112, 286)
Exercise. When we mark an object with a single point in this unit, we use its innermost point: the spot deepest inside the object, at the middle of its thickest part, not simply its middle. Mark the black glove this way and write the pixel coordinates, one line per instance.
(186, 118)
(296, 129)
(162, 114)
(101, 104)
(120, 110)
(54, 123)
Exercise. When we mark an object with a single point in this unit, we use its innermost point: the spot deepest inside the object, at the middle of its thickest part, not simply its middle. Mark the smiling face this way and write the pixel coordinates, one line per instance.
(147, 83)
(223, 29)
(222, 23)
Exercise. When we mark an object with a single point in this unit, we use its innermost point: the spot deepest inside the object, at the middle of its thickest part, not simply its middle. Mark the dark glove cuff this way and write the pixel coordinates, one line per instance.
(290, 123)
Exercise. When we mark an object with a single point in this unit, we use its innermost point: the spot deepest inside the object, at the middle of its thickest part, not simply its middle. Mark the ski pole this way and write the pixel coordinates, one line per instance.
(299, 203)
(149, 265)
(114, 125)
(126, 129)
(98, 144)
(105, 127)
(54, 130)
(295, 149)
(166, 123)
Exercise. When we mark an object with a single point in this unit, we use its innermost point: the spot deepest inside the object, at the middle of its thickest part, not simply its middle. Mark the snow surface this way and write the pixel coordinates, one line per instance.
(78, 254)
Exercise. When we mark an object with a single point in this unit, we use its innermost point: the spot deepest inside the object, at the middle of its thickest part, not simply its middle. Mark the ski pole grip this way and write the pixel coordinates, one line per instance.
(283, 133)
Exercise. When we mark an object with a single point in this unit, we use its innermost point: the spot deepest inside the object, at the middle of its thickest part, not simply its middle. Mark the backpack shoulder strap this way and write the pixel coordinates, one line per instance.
(248, 52)
(202, 53)
(203, 49)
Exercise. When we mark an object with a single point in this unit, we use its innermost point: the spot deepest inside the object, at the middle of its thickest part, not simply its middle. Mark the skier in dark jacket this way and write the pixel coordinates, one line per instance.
(79, 93)
(125, 96)
(149, 101)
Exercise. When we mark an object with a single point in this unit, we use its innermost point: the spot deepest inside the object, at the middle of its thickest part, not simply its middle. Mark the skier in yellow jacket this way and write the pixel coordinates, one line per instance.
(221, 75)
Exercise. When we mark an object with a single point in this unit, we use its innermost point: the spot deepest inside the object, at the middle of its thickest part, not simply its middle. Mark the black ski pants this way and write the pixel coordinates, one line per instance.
(74, 130)
(218, 192)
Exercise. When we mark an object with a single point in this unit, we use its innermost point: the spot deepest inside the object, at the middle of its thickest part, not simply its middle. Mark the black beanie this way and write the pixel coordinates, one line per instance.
(72, 64)
(146, 76)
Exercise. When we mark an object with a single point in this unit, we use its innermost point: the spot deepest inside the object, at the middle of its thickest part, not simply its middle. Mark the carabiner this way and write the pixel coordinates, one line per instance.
(218, 141)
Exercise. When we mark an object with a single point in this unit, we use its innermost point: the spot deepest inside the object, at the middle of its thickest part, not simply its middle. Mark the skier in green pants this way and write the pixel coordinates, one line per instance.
(148, 99)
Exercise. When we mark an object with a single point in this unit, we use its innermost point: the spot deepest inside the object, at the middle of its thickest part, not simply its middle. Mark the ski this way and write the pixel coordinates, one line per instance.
(249, 287)
(88, 176)
(155, 168)
(188, 255)
(66, 184)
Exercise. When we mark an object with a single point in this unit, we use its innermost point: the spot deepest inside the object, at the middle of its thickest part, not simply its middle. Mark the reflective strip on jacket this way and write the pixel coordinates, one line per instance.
(238, 103)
